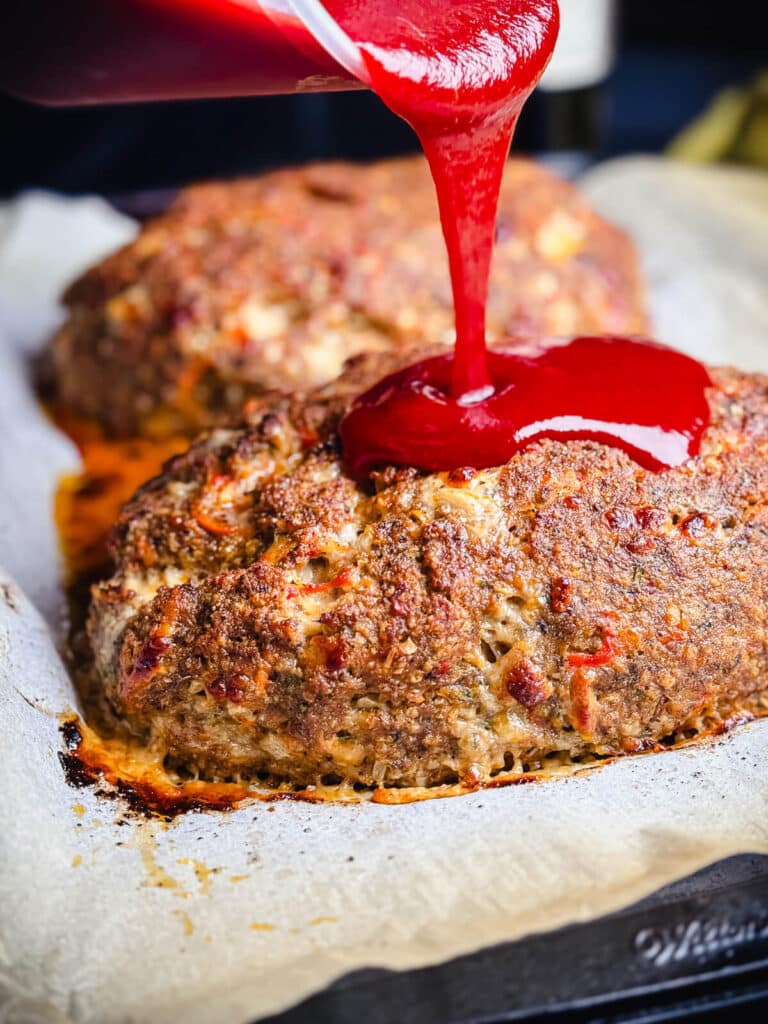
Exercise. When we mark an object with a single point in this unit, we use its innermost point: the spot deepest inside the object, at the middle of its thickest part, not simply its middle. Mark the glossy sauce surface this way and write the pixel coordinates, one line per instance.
(459, 73)
(635, 395)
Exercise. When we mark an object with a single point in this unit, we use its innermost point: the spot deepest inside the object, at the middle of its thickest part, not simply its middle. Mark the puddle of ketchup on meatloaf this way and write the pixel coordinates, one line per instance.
(460, 73)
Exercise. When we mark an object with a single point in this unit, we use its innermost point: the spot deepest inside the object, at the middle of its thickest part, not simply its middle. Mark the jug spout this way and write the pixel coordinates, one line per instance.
(313, 21)
(89, 51)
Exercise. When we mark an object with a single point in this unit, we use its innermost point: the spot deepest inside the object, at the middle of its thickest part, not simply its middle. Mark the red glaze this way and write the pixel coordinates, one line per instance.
(459, 73)
(636, 395)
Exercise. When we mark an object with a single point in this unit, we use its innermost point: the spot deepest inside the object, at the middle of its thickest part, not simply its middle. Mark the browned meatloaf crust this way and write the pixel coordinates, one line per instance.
(275, 281)
(270, 614)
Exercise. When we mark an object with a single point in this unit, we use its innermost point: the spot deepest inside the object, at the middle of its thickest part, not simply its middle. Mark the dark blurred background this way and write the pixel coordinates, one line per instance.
(672, 59)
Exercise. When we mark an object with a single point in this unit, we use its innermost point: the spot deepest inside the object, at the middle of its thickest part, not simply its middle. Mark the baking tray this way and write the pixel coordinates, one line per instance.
(693, 948)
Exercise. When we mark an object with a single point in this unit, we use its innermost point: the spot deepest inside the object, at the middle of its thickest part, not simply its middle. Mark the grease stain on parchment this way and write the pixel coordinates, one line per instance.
(186, 921)
(145, 841)
(203, 873)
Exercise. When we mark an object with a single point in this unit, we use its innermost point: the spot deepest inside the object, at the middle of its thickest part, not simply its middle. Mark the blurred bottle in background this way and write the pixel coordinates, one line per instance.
(569, 115)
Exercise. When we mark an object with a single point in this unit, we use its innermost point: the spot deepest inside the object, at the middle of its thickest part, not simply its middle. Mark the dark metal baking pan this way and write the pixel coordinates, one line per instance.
(694, 950)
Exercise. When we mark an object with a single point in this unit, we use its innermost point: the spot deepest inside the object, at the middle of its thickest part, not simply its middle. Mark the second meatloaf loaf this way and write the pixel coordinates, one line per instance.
(274, 281)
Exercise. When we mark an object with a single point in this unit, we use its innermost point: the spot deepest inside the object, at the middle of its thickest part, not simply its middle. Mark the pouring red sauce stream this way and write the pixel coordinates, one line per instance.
(459, 73)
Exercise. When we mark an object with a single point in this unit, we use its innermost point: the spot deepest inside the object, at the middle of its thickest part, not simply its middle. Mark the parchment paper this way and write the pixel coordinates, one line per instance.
(229, 917)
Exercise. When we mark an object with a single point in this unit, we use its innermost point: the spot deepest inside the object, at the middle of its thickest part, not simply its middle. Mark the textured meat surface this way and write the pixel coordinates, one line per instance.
(274, 281)
(270, 614)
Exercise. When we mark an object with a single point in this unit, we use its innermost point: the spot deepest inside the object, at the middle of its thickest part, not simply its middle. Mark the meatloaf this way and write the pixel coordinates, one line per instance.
(274, 281)
(268, 613)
